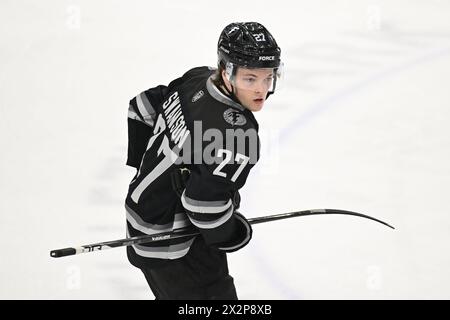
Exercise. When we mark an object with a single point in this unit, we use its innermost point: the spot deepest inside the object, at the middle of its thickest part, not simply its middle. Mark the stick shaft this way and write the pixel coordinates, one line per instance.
(192, 231)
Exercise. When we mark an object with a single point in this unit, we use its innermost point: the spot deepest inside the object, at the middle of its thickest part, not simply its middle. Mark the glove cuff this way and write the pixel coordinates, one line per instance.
(245, 233)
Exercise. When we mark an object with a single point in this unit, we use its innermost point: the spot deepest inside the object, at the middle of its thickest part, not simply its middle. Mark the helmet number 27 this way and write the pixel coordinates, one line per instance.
(227, 154)
(259, 37)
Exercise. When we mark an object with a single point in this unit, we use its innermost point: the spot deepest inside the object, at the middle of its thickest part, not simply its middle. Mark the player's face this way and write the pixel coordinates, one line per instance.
(252, 85)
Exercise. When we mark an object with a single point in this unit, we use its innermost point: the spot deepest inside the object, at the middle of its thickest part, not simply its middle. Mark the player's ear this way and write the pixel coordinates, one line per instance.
(225, 80)
(224, 76)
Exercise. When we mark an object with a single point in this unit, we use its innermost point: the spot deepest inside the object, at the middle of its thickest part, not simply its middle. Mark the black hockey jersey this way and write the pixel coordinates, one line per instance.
(188, 125)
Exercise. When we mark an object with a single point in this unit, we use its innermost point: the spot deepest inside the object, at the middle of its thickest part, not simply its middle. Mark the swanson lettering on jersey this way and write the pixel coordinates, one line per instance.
(175, 119)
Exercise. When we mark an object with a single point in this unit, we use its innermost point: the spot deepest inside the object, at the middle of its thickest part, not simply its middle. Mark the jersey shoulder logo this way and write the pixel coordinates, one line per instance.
(197, 96)
(234, 117)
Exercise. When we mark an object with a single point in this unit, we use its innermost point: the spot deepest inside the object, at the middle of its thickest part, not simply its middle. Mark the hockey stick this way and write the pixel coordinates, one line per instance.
(192, 231)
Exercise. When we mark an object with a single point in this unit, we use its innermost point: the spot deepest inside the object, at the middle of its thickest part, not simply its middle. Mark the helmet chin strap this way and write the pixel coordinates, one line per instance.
(231, 94)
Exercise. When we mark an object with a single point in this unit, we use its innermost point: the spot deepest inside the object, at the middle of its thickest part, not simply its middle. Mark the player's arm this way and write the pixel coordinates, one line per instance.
(141, 119)
(142, 114)
(208, 201)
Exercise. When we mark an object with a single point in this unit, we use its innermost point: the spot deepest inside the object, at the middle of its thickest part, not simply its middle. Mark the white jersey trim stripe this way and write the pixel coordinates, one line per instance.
(181, 220)
(133, 115)
(215, 223)
(167, 252)
(155, 173)
(204, 206)
(145, 108)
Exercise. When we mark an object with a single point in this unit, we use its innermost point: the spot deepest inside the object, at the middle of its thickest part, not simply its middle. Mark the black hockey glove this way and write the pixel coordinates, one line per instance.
(241, 235)
(236, 199)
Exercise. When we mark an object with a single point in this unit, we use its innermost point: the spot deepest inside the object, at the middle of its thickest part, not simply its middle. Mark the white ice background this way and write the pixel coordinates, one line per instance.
(361, 124)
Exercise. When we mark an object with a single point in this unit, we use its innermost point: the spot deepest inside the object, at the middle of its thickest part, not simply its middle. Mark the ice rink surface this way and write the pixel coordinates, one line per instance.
(360, 124)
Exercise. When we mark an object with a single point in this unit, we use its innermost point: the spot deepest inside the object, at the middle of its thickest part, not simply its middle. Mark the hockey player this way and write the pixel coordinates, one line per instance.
(193, 144)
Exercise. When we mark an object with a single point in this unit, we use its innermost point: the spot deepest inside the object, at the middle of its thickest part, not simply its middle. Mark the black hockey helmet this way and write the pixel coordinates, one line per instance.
(248, 44)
